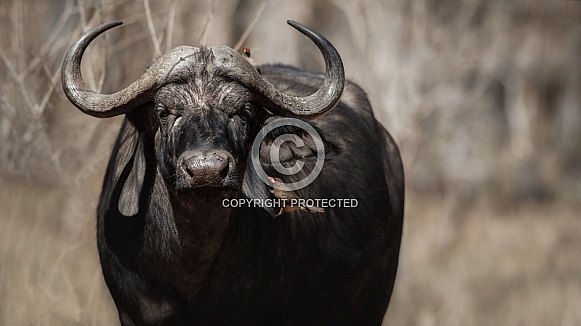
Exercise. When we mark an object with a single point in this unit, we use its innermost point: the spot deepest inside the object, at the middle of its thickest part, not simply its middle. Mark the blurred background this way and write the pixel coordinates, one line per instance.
(483, 98)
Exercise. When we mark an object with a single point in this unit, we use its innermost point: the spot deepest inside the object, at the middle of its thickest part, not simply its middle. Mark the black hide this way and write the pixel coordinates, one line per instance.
(177, 257)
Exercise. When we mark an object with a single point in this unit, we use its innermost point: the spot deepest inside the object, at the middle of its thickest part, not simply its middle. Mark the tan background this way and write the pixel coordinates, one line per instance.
(483, 98)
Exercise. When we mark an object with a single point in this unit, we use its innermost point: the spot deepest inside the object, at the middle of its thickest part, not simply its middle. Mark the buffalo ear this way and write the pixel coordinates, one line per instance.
(132, 186)
(127, 166)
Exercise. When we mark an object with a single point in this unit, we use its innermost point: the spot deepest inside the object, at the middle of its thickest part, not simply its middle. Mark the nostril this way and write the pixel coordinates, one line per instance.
(224, 171)
(222, 164)
(187, 168)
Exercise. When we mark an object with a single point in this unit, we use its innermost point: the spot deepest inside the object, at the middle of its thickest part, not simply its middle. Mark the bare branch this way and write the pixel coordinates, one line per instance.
(30, 103)
(170, 23)
(49, 43)
(152, 33)
(53, 82)
(251, 26)
(204, 36)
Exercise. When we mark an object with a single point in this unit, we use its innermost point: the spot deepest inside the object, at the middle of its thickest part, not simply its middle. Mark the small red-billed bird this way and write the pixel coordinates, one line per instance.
(247, 56)
(283, 192)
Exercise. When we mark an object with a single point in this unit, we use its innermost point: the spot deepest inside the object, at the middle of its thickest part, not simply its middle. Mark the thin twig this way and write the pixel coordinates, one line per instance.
(170, 23)
(101, 81)
(18, 34)
(204, 36)
(53, 82)
(82, 15)
(29, 102)
(56, 32)
(130, 41)
(93, 288)
(72, 293)
(249, 28)
(152, 33)
(355, 20)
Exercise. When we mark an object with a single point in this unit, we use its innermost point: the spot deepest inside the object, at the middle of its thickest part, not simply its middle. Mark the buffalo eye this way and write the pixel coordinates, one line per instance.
(162, 113)
(244, 113)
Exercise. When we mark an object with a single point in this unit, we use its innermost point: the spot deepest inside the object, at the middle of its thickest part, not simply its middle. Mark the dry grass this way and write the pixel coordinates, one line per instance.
(48, 277)
(482, 96)
(485, 266)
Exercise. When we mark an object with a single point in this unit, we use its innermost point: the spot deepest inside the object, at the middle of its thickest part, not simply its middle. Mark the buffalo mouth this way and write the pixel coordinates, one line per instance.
(208, 193)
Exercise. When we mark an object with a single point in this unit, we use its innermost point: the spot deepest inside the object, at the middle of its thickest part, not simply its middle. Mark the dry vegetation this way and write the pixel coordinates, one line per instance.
(484, 98)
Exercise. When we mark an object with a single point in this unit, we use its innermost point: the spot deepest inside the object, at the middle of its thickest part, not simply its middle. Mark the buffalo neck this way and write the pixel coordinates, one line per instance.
(200, 223)
(202, 227)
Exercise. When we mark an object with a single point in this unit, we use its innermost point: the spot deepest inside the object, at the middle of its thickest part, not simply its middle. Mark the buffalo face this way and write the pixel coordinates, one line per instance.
(203, 135)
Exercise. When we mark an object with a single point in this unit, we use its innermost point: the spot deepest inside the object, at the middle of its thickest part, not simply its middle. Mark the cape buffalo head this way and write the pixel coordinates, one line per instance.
(201, 107)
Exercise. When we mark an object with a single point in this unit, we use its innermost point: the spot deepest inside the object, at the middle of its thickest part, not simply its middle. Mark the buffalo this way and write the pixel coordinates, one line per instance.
(173, 246)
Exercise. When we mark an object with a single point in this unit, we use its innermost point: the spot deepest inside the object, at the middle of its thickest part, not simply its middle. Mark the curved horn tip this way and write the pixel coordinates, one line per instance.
(296, 25)
(110, 25)
(114, 23)
(106, 26)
